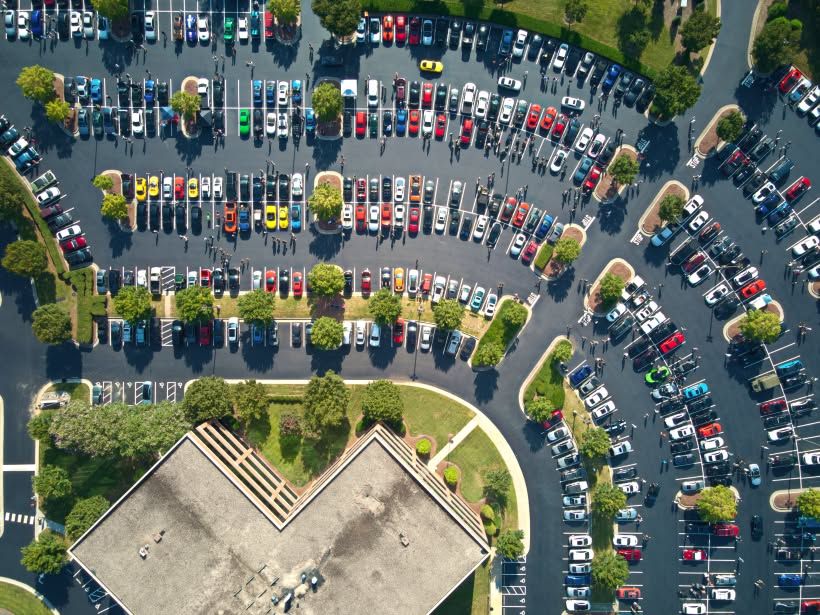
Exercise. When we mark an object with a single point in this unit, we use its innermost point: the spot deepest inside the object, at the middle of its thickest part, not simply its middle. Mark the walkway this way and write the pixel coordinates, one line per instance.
(454, 442)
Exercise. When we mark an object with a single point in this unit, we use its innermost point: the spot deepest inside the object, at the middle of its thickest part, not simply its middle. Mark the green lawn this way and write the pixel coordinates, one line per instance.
(20, 602)
(472, 597)
(77, 390)
(543, 257)
(808, 57)
(547, 382)
(499, 332)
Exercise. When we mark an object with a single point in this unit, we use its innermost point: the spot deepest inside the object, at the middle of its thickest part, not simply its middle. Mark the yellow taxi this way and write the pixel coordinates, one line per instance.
(283, 217)
(141, 189)
(153, 186)
(398, 280)
(431, 66)
(270, 217)
(193, 188)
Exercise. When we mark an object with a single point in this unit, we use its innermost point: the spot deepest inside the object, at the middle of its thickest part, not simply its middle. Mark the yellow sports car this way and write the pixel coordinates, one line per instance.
(431, 66)
(193, 188)
(270, 217)
(141, 189)
(398, 280)
(283, 217)
(153, 186)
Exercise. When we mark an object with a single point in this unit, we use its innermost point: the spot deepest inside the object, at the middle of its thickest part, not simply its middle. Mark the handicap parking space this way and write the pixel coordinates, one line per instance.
(514, 586)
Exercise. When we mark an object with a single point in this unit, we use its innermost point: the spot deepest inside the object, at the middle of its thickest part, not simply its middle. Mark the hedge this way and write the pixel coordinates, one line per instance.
(543, 257)
(89, 305)
(454, 8)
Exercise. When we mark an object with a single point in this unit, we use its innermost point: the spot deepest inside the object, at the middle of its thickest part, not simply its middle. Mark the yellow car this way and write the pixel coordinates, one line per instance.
(270, 217)
(153, 186)
(398, 280)
(283, 218)
(141, 189)
(193, 188)
(431, 66)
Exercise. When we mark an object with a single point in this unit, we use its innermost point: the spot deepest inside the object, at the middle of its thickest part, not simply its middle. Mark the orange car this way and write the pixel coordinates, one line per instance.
(521, 214)
(387, 29)
(415, 188)
(387, 214)
(548, 119)
(229, 223)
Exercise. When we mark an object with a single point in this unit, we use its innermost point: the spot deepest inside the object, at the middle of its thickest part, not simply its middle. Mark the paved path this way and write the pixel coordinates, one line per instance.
(453, 442)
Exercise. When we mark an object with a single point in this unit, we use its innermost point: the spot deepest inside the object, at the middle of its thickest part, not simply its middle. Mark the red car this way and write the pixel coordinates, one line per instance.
(693, 262)
(592, 179)
(387, 214)
(810, 606)
(694, 555)
(555, 418)
(797, 189)
(298, 286)
(559, 126)
(387, 28)
(229, 212)
(630, 555)
(426, 283)
(361, 123)
(205, 334)
(415, 30)
(270, 281)
(548, 119)
(712, 429)
(427, 95)
(179, 188)
(415, 118)
(628, 593)
(361, 217)
(507, 210)
(787, 82)
(751, 289)
(521, 214)
(413, 220)
(532, 117)
(726, 529)
(466, 131)
(75, 243)
(398, 332)
(529, 252)
(361, 189)
(775, 405)
(672, 342)
(401, 28)
(268, 25)
(205, 277)
(366, 282)
(441, 125)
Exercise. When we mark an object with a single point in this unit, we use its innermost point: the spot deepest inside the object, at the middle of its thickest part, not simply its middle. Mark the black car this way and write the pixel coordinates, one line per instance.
(467, 35)
(63, 26)
(605, 157)
(123, 93)
(441, 31)
(153, 215)
(663, 331)
(573, 59)
(598, 72)
(296, 334)
(621, 328)
(615, 428)
(162, 92)
(494, 108)
(79, 258)
(682, 460)
(415, 93)
(535, 47)
(495, 233)
(786, 460)
(348, 278)
(180, 218)
(682, 446)
(218, 281)
(167, 216)
(218, 332)
(387, 123)
(624, 474)
(455, 33)
(644, 360)
(441, 97)
(652, 494)
(177, 333)
(716, 469)
(127, 185)
(757, 526)
(746, 171)
(762, 149)
(58, 222)
(387, 188)
(466, 227)
(258, 123)
(645, 99)
(190, 334)
(455, 217)
(196, 218)
(427, 218)
(467, 348)
(638, 347)
(701, 419)
(671, 405)
(284, 280)
(700, 404)
(481, 39)
(777, 420)
(284, 187)
(634, 91)
(623, 84)
(347, 123)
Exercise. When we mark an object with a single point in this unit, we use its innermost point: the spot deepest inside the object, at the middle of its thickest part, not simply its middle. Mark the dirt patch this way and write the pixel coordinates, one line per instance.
(607, 189)
(116, 179)
(688, 501)
(571, 232)
(709, 140)
(785, 500)
(330, 129)
(330, 179)
(651, 222)
(815, 288)
(617, 268)
(411, 441)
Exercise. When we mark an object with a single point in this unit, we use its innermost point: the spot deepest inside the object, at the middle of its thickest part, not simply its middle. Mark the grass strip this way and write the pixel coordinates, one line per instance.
(18, 601)
(543, 257)
(499, 331)
(548, 382)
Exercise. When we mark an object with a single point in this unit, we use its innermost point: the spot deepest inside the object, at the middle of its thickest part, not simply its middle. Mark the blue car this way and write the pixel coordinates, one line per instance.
(257, 92)
(82, 87)
(36, 25)
(28, 158)
(611, 77)
(82, 121)
(190, 28)
(296, 217)
(544, 227)
(695, 390)
(401, 122)
(150, 91)
(310, 120)
(768, 204)
(258, 334)
(506, 43)
(780, 213)
(665, 234)
(102, 28)
(578, 376)
(96, 91)
(788, 368)
(244, 220)
(296, 91)
(270, 93)
(789, 580)
(577, 580)
(583, 169)
(108, 120)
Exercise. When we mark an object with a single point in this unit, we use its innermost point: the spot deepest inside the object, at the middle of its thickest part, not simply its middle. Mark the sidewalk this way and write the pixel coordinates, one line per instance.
(454, 442)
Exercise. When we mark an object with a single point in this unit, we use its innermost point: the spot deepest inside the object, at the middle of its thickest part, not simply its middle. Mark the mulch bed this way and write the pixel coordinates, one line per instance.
(554, 268)
(652, 222)
(815, 286)
(734, 329)
(688, 501)
(785, 500)
(607, 188)
(710, 140)
(330, 129)
(618, 269)
(331, 180)
(115, 177)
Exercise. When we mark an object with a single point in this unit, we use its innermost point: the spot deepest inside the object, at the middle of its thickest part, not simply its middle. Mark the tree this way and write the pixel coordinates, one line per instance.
(39, 424)
(114, 206)
(327, 101)
(611, 287)
(207, 398)
(103, 182)
(326, 280)
(575, 11)
(609, 570)
(539, 410)
(676, 89)
(51, 324)
(623, 170)
(150, 430)
(514, 314)
(510, 544)
(699, 31)
(326, 202)
(730, 127)
(594, 442)
(448, 314)
(250, 400)
(285, 11)
(83, 515)
(195, 303)
(488, 355)
(671, 208)
(327, 333)
(36, 83)
(381, 401)
(339, 17)
(12, 197)
(607, 499)
(760, 326)
(562, 351)
(45, 555)
(57, 110)
(497, 485)
(566, 250)
(385, 307)
(326, 400)
(113, 9)
(256, 306)
(186, 104)
(717, 504)
(808, 503)
(26, 258)
(52, 483)
(776, 44)
(133, 303)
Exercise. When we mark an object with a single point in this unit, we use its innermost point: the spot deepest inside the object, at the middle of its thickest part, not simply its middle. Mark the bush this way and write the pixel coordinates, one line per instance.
(503, 329)
(610, 290)
(290, 425)
(487, 513)
(562, 352)
(451, 476)
(543, 256)
(777, 9)
(423, 447)
(490, 528)
(730, 127)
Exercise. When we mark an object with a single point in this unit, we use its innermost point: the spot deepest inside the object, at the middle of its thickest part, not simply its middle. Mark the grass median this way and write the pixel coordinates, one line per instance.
(18, 601)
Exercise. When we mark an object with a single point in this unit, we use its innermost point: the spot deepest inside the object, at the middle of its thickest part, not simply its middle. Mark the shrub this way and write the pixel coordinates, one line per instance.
(423, 447)
(487, 513)
(451, 476)
(562, 351)
(777, 9)
(290, 425)
(490, 528)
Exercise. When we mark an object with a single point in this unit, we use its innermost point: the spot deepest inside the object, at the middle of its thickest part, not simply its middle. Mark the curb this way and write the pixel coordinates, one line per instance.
(774, 494)
(601, 275)
(537, 368)
(671, 182)
(183, 124)
(750, 44)
(708, 57)
(714, 119)
(603, 201)
(32, 591)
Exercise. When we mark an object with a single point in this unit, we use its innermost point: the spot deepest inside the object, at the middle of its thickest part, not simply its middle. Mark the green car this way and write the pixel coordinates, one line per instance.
(244, 122)
(374, 125)
(657, 374)
(229, 29)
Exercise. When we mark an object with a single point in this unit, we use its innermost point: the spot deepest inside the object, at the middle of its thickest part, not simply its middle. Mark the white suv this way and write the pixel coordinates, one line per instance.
(468, 98)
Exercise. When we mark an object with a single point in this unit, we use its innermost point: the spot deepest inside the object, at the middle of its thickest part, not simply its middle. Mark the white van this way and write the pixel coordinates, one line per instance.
(373, 93)
(347, 331)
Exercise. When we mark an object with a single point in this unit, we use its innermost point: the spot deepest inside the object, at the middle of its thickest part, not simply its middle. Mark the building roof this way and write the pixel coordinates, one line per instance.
(372, 533)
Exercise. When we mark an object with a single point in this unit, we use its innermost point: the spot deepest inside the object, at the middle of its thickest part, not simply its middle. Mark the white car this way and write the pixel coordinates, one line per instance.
(441, 220)
(205, 187)
(596, 146)
(482, 103)
(508, 83)
(373, 219)
(699, 220)
(580, 555)
(361, 30)
(48, 195)
(282, 93)
(744, 277)
(646, 311)
(22, 25)
(711, 444)
(10, 24)
(427, 120)
(576, 605)
(480, 228)
(560, 58)
(507, 107)
(616, 312)
(150, 26)
(347, 332)
(622, 448)
(76, 24)
(676, 420)
(202, 87)
(584, 568)
(282, 125)
(438, 289)
(693, 608)
(398, 217)
(568, 461)
(625, 540)
(782, 433)
(347, 216)
(579, 592)
(427, 32)
(584, 139)
(572, 103)
(652, 323)
(297, 186)
(630, 488)
(558, 160)
(67, 233)
(270, 124)
(763, 193)
(811, 459)
(723, 594)
(580, 540)
(398, 189)
(203, 29)
(360, 333)
(468, 98)
(754, 475)
(489, 308)
(567, 446)
(692, 205)
(809, 243)
(167, 188)
(626, 514)
(575, 515)
(218, 188)
(518, 245)
(716, 294)
(375, 335)
(716, 456)
(137, 124)
(691, 486)
(193, 278)
(257, 279)
(88, 25)
(242, 29)
(681, 433)
(574, 500)
(426, 338)
(375, 31)
(700, 274)
(519, 44)
(603, 411)
(142, 278)
(559, 433)
(809, 101)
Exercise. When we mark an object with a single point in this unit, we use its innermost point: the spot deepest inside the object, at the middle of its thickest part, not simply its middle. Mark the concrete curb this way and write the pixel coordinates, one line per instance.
(602, 201)
(183, 125)
(714, 119)
(601, 275)
(487, 368)
(774, 494)
(32, 591)
(761, 4)
(647, 211)
(2, 432)
(536, 369)
(708, 57)
(726, 327)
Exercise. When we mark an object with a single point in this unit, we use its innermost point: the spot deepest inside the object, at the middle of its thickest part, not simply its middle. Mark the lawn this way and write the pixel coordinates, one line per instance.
(543, 257)
(808, 57)
(547, 382)
(20, 602)
(77, 390)
(472, 597)
(499, 332)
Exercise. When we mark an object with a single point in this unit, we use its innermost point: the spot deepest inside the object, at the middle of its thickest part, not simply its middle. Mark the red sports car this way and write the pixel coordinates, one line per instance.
(205, 334)
(712, 429)
(693, 262)
(521, 214)
(775, 405)
(466, 131)
(548, 119)
(672, 342)
(361, 189)
(297, 284)
(387, 28)
(229, 212)
(529, 252)
(75, 243)
(413, 220)
(628, 593)
(398, 332)
(694, 555)
(532, 117)
(361, 217)
(415, 118)
(751, 289)
(205, 277)
(366, 282)
(787, 82)
(361, 123)
(592, 179)
(630, 555)
(559, 126)
(387, 214)
(441, 125)
(415, 30)
(401, 28)
(270, 281)
(797, 188)
(179, 188)
(507, 210)
(427, 95)
(726, 529)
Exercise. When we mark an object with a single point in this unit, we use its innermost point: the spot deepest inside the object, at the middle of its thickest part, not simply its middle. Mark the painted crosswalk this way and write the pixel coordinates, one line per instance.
(19, 518)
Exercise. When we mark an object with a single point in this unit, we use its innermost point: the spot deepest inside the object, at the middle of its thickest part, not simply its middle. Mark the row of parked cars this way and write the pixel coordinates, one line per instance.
(79, 25)
(800, 94)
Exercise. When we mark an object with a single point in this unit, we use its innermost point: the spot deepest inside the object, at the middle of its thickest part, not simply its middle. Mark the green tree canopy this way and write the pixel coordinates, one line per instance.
(566, 250)
(114, 206)
(26, 258)
(539, 410)
(113, 9)
(12, 197)
(51, 324)
(36, 83)
(729, 128)
(151, 430)
(133, 303)
(327, 333)
(45, 555)
(339, 17)
(326, 280)
(448, 314)
(83, 515)
(510, 544)
(326, 400)
(488, 355)
(39, 425)
(327, 101)
(562, 351)
(609, 570)
(384, 307)
(671, 208)
(256, 306)
(381, 401)
(717, 504)
(195, 303)
(676, 89)
(611, 287)
(207, 398)
(250, 400)
(594, 442)
(514, 314)
(186, 104)
(623, 170)
(699, 30)
(57, 110)
(760, 326)
(777, 44)
(52, 483)
(103, 182)
(808, 503)
(497, 485)
(285, 11)
(326, 202)
(607, 499)
(575, 11)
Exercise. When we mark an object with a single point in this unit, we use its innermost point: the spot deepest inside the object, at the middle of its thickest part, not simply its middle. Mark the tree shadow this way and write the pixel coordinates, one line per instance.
(317, 454)
(656, 19)
(632, 32)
